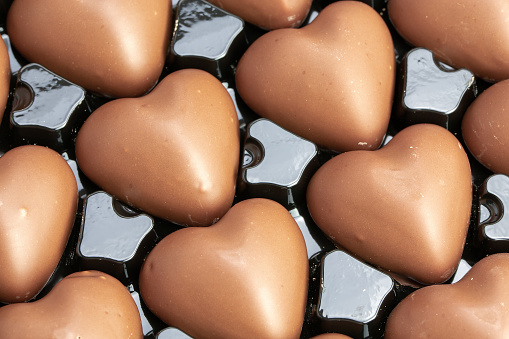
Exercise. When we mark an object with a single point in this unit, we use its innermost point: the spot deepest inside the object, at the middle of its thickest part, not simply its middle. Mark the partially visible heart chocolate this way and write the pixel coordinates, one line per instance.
(268, 14)
(485, 128)
(173, 153)
(405, 207)
(114, 48)
(464, 34)
(330, 82)
(5, 77)
(331, 336)
(244, 277)
(474, 307)
(38, 201)
(88, 304)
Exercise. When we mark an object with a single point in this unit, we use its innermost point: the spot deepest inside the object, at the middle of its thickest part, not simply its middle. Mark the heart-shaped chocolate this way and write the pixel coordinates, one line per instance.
(38, 201)
(485, 128)
(244, 277)
(268, 14)
(5, 77)
(330, 82)
(405, 207)
(88, 304)
(173, 153)
(463, 34)
(109, 47)
(474, 307)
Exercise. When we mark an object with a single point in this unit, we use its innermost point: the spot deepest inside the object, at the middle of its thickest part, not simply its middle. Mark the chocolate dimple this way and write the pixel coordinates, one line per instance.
(38, 199)
(464, 34)
(474, 307)
(244, 277)
(344, 100)
(173, 153)
(485, 128)
(88, 304)
(268, 14)
(114, 48)
(405, 207)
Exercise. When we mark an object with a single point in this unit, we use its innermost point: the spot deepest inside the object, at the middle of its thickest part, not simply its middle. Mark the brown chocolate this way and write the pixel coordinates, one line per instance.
(115, 48)
(173, 153)
(474, 307)
(331, 336)
(485, 128)
(464, 34)
(5, 77)
(244, 277)
(330, 82)
(38, 200)
(87, 304)
(268, 14)
(405, 207)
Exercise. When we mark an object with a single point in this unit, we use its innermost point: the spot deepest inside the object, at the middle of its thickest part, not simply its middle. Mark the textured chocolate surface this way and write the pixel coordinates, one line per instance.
(485, 128)
(88, 304)
(463, 34)
(38, 199)
(343, 102)
(61, 35)
(173, 153)
(268, 14)
(474, 307)
(405, 207)
(244, 277)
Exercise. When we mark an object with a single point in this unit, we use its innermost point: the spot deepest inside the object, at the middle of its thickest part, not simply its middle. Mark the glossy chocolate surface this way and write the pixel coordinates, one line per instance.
(462, 34)
(46, 108)
(241, 277)
(60, 35)
(413, 213)
(172, 153)
(114, 238)
(474, 307)
(276, 163)
(268, 14)
(355, 298)
(343, 102)
(206, 37)
(88, 304)
(432, 92)
(493, 232)
(172, 333)
(38, 199)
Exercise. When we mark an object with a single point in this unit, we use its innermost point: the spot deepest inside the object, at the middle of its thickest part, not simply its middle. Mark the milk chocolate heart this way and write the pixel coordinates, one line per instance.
(110, 47)
(173, 153)
(244, 277)
(38, 200)
(88, 304)
(330, 82)
(474, 307)
(331, 336)
(463, 34)
(405, 207)
(485, 128)
(268, 14)
(5, 77)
